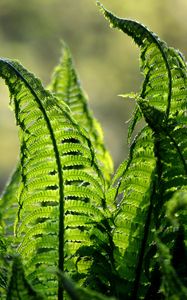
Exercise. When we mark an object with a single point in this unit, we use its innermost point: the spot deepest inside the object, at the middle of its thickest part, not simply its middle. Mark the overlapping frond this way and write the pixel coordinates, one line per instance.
(162, 102)
(60, 178)
(66, 86)
(8, 211)
(135, 187)
(170, 149)
(76, 292)
(173, 261)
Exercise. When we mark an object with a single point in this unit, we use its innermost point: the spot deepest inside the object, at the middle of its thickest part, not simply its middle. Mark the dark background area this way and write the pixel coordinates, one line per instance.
(107, 60)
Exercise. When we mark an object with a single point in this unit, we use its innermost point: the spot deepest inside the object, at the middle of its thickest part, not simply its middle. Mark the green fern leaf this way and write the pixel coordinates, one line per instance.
(77, 293)
(19, 287)
(133, 224)
(176, 212)
(66, 86)
(155, 66)
(171, 286)
(8, 210)
(164, 87)
(162, 101)
(52, 145)
(163, 67)
(3, 266)
(173, 261)
(9, 203)
(176, 205)
(170, 150)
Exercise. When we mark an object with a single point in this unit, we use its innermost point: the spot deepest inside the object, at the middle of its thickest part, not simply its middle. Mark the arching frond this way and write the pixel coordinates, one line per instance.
(66, 86)
(162, 102)
(60, 178)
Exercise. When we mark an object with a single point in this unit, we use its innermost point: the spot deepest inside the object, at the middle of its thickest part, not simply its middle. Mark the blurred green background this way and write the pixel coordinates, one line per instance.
(106, 60)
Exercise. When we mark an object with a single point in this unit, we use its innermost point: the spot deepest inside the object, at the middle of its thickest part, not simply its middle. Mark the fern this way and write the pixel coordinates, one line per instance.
(133, 216)
(77, 293)
(9, 203)
(19, 287)
(3, 265)
(173, 267)
(61, 212)
(163, 88)
(59, 177)
(66, 86)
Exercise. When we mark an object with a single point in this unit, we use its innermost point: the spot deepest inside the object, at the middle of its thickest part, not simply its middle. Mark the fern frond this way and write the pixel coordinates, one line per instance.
(173, 261)
(176, 212)
(162, 101)
(135, 187)
(163, 67)
(171, 287)
(77, 293)
(19, 287)
(175, 208)
(66, 86)
(8, 209)
(170, 149)
(155, 65)
(9, 203)
(3, 266)
(52, 146)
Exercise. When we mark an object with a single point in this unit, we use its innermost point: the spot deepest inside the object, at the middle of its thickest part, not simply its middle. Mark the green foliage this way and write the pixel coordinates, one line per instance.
(18, 287)
(124, 237)
(66, 86)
